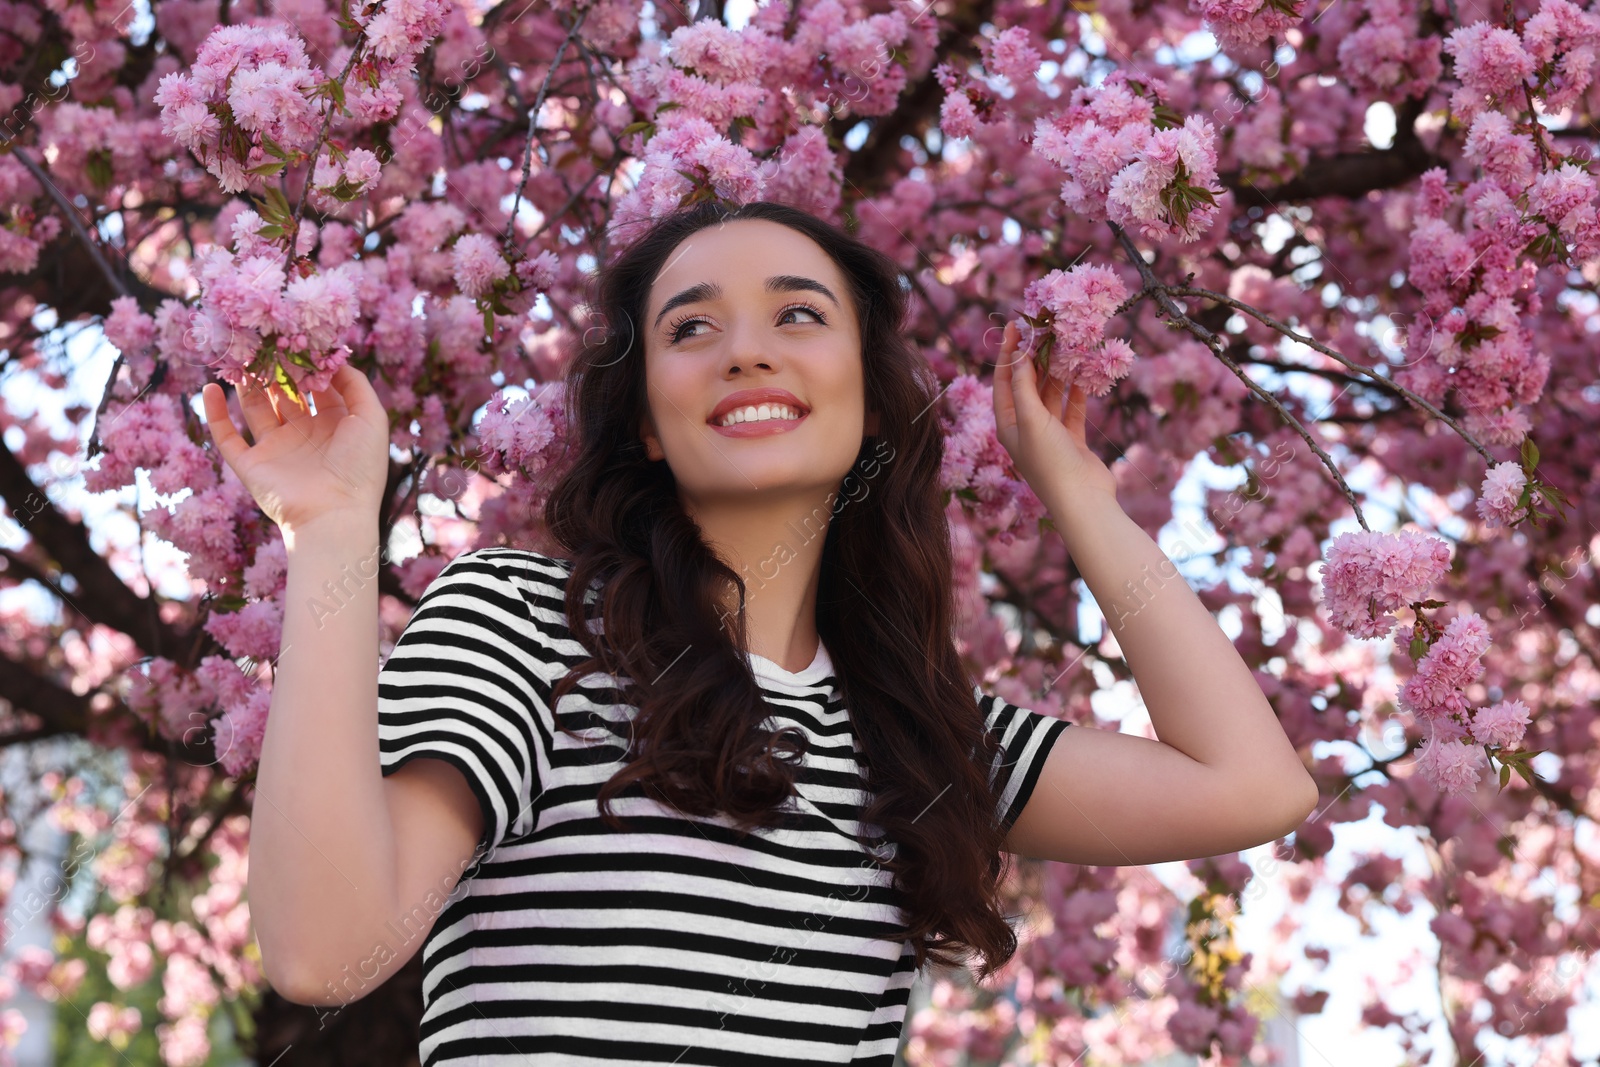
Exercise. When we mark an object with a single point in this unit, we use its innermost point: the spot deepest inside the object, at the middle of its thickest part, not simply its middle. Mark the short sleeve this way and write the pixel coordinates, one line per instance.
(457, 686)
(1024, 738)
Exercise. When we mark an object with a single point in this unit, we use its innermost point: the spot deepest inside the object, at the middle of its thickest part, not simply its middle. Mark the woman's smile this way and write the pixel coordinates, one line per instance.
(757, 413)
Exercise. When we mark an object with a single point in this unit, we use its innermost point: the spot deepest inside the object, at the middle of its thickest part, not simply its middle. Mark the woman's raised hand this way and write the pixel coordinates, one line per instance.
(1046, 438)
(303, 466)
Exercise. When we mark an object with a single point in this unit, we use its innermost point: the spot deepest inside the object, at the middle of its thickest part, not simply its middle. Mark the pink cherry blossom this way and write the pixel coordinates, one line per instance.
(1502, 723)
(1498, 498)
(1370, 574)
(1489, 61)
(1454, 767)
(478, 264)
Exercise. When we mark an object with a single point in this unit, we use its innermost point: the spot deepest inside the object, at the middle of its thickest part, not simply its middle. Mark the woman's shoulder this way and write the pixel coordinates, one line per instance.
(537, 578)
(515, 562)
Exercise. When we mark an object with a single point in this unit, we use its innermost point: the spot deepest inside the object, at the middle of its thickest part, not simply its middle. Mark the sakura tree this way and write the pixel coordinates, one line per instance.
(1333, 266)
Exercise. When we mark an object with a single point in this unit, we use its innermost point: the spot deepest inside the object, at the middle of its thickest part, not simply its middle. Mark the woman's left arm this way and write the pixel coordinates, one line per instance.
(1223, 775)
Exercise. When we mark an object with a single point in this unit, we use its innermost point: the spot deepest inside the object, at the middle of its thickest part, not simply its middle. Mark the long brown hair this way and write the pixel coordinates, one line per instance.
(885, 609)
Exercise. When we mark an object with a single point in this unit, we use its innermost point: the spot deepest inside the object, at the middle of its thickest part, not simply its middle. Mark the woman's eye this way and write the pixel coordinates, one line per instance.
(801, 310)
(677, 333)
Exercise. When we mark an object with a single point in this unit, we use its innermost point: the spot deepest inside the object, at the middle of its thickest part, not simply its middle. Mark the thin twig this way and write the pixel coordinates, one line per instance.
(71, 212)
(533, 123)
(1207, 294)
(1163, 297)
(292, 232)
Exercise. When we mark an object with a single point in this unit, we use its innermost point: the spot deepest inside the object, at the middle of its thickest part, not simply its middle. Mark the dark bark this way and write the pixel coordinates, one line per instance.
(101, 595)
(62, 710)
(877, 164)
(1348, 174)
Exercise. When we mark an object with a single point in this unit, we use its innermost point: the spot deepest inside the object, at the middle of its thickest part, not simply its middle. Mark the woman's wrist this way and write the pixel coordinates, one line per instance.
(353, 528)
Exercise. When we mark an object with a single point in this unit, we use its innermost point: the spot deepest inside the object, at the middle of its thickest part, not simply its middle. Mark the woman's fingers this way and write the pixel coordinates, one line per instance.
(1051, 396)
(1005, 411)
(357, 395)
(329, 402)
(1024, 387)
(1077, 410)
(229, 441)
(260, 413)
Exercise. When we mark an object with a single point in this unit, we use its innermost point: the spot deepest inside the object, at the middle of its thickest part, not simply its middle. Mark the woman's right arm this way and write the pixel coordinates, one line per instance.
(338, 852)
(328, 872)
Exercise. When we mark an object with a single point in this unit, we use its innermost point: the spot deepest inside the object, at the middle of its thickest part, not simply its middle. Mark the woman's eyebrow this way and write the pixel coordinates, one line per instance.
(778, 283)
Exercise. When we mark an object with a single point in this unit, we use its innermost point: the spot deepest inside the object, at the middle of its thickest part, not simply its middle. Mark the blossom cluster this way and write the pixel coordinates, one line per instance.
(1122, 166)
(1239, 24)
(976, 467)
(526, 434)
(1368, 575)
(708, 79)
(1500, 499)
(1385, 54)
(1451, 757)
(1073, 307)
(253, 101)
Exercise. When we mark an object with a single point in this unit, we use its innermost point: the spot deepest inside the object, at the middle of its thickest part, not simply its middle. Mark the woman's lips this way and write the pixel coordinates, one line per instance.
(763, 428)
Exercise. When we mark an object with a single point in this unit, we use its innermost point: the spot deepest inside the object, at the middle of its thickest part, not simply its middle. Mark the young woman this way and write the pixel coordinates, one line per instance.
(710, 786)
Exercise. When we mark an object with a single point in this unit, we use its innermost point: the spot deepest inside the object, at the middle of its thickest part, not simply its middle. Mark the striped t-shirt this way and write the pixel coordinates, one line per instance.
(678, 941)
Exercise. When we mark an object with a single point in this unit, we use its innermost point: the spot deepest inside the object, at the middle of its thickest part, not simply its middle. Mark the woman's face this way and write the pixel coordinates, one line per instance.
(752, 314)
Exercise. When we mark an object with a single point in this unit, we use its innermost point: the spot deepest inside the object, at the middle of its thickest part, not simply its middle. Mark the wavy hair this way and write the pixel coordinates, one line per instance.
(885, 608)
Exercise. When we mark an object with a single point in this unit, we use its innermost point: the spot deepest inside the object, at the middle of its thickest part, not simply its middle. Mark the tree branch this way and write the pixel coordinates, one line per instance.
(62, 710)
(1348, 174)
(104, 597)
(1171, 310)
(873, 167)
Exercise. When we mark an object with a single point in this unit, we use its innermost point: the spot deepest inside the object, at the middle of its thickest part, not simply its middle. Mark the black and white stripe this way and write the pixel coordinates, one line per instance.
(678, 940)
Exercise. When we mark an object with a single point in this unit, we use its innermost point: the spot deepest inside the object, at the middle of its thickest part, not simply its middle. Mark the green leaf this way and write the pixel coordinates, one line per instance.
(301, 359)
(1184, 395)
(643, 126)
(1166, 117)
(274, 208)
(1505, 774)
(270, 231)
(347, 190)
(283, 379)
(272, 147)
(1419, 646)
(1530, 454)
(668, 106)
(1552, 494)
(267, 170)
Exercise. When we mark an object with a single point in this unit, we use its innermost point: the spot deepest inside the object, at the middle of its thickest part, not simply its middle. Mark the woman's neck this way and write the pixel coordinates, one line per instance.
(777, 550)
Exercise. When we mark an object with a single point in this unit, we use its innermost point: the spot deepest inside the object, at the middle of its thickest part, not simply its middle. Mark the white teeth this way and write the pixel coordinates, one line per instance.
(758, 413)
